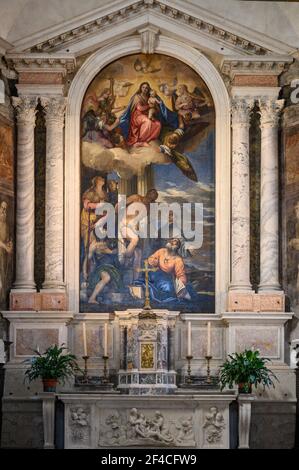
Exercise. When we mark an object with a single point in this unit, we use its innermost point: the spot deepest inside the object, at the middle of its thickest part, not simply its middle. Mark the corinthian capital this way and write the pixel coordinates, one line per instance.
(270, 111)
(25, 107)
(241, 111)
(55, 109)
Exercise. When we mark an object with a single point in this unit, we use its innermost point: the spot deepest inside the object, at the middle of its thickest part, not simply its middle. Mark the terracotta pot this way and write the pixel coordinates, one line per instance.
(245, 387)
(50, 385)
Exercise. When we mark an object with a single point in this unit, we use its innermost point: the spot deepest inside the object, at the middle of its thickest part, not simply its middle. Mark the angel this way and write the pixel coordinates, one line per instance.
(153, 103)
(145, 66)
(168, 89)
(101, 117)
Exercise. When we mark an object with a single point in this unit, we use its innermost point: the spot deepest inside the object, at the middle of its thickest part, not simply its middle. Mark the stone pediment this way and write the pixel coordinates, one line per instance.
(149, 18)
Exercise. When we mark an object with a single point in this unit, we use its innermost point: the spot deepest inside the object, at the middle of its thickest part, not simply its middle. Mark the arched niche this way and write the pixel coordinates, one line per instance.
(203, 67)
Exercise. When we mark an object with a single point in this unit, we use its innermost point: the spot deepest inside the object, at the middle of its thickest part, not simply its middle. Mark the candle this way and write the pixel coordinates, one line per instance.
(189, 344)
(209, 339)
(106, 339)
(84, 338)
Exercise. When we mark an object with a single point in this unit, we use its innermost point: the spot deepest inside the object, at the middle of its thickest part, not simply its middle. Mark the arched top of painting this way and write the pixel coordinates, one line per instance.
(144, 109)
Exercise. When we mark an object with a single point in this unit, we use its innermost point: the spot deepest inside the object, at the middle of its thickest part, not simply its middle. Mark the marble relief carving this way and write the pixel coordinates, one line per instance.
(79, 424)
(214, 425)
(133, 428)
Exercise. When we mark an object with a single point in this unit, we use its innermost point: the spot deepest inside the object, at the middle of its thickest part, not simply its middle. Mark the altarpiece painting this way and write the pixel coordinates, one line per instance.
(147, 133)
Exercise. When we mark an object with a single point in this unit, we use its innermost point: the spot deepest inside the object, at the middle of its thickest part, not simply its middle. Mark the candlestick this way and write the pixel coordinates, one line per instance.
(189, 358)
(105, 379)
(208, 358)
(189, 342)
(106, 339)
(84, 338)
(85, 358)
(209, 339)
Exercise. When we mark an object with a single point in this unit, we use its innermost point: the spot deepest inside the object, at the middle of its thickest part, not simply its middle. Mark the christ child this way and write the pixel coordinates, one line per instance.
(153, 103)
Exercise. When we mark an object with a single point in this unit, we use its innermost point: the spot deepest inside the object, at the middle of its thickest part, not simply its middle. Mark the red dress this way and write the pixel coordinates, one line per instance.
(142, 129)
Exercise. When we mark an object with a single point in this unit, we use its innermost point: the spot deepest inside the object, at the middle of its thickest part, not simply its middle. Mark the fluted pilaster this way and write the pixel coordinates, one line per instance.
(241, 111)
(54, 109)
(269, 259)
(26, 111)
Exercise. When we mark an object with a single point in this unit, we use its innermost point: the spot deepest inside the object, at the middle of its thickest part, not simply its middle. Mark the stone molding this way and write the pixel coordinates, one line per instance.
(176, 14)
(264, 66)
(51, 63)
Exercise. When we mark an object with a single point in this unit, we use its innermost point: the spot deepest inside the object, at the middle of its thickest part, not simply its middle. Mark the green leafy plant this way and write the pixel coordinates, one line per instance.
(246, 369)
(54, 363)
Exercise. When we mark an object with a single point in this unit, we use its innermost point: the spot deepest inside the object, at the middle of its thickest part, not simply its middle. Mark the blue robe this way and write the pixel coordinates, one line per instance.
(165, 116)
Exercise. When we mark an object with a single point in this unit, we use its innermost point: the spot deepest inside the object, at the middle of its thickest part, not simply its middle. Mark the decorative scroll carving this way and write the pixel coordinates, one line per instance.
(148, 37)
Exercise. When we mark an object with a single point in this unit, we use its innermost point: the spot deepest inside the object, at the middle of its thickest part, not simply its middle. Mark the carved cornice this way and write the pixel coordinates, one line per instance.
(42, 62)
(144, 6)
(262, 66)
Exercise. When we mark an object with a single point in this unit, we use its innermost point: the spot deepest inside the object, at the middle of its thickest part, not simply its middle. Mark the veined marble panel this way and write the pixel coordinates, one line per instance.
(28, 340)
(267, 340)
(199, 342)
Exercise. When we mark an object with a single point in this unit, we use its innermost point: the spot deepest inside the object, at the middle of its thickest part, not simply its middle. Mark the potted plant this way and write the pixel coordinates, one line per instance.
(246, 369)
(52, 366)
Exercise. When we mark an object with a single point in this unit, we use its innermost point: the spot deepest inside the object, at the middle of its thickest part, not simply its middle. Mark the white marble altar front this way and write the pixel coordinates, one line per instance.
(198, 421)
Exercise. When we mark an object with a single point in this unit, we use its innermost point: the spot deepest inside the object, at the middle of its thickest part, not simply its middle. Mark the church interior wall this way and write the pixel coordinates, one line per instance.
(272, 331)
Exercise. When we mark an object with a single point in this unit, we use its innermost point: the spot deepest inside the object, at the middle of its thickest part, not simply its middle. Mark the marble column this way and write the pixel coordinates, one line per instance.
(240, 276)
(269, 242)
(54, 109)
(26, 110)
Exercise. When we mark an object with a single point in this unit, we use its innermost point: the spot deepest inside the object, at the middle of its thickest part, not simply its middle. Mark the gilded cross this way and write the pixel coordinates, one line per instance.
(146, 270)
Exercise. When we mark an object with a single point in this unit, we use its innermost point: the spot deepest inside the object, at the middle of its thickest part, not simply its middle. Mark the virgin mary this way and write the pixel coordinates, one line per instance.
(136, 126)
